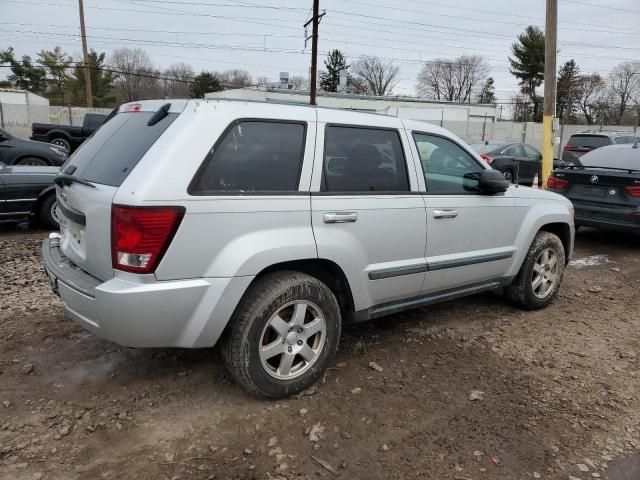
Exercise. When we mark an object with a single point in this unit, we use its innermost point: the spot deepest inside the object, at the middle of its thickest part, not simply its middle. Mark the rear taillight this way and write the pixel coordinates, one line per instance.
(133, 107)
(570, 148)
(632, 191)
(556, 183)
(141, 235)
(486, 158)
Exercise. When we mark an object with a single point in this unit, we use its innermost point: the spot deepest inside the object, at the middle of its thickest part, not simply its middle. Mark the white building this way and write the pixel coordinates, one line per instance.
(403, 107)
(20, 108)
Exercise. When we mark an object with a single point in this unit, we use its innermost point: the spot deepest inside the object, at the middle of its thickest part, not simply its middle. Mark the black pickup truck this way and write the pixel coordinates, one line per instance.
(66, 136)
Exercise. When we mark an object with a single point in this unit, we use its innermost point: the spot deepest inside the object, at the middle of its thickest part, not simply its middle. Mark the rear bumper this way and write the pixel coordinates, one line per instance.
(139, 311)
(606, 217)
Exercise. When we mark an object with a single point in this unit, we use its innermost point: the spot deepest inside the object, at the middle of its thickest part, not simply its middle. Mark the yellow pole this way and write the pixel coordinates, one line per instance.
(550, 34)
(547, 148)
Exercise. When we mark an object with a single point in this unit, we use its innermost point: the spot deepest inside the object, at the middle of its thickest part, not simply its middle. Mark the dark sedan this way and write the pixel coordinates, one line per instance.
(605, 189)
(512, 159)
(28, 192)
(15, 151)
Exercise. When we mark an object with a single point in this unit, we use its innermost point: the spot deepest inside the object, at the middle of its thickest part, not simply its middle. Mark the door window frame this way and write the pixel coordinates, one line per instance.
(419, 161)
(243, 193)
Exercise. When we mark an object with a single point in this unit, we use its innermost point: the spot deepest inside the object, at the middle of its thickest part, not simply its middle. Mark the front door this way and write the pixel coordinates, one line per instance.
(367, 213)
(470, 235)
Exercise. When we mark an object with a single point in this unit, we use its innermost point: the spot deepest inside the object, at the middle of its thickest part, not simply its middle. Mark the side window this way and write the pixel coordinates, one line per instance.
(358, 159)
(447, 167)
(626, 139)
(253, 156)
(515, 151)
(531, 152)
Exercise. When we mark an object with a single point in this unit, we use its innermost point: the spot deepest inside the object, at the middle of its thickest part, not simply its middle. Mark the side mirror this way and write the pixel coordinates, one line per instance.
(492, 181)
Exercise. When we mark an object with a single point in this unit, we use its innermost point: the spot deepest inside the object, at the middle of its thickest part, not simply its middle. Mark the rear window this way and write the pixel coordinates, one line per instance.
(589, 141)
(114, 150)
(626, 139)
(624, 157)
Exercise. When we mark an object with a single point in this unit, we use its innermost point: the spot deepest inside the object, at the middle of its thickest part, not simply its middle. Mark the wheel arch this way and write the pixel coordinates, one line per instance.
(324, 270)
(44, 194)
(563, 232)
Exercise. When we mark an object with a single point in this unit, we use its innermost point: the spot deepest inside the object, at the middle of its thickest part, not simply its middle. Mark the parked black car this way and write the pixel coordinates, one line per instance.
(605, 189)
(512, 159)
(66, 136)
(15, 151)
(28, 192)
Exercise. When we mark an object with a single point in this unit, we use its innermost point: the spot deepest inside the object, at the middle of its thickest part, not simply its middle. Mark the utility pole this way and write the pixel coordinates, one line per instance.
(85, 55)
(550, 40)
(315, 21)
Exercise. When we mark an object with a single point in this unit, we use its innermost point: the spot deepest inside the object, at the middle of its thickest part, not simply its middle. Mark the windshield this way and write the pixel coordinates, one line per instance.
(113, 151)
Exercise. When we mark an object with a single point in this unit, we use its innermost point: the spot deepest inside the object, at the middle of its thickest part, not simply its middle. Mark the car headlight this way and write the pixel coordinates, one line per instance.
(58, 151)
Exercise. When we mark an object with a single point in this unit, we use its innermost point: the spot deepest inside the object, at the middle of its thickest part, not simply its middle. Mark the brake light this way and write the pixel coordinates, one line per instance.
(632, 191)
(556, 183)
(133, 107)
(570, 148)
(140, 236)
(487, 158)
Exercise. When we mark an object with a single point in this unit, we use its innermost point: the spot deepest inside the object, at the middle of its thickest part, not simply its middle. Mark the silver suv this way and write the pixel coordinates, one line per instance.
(265, 227)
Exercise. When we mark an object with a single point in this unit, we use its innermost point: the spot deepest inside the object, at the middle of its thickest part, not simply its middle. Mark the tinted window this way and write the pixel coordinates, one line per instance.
(447, 167)
(626, 139)
(93, 120)
(363, 160)
(531, 152)
(114, 150)
(589, 141)
(515, 151)
(253, 156)
(624, 157)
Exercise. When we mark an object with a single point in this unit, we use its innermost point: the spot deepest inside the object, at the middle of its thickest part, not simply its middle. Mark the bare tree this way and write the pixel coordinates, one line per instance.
(134, 74)
(456, 80)
(299, 82)
(373, 75)
(236, 78)
(624, 82)
(176, 80)
(591, 93)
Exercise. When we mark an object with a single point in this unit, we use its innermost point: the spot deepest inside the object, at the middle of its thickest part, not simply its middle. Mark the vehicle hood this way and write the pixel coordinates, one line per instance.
(31, 170)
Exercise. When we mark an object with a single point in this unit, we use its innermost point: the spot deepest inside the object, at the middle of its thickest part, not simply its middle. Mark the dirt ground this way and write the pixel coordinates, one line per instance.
(556, 391)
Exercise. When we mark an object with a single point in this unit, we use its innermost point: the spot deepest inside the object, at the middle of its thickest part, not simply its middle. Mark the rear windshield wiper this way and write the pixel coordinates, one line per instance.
(159, 114)
(62, 180)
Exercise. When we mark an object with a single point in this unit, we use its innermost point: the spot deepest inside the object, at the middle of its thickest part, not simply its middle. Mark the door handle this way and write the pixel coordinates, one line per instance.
(340, 217)
(445, 213)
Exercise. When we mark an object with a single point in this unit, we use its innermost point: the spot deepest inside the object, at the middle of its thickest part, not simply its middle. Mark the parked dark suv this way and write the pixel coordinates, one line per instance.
(581, 143)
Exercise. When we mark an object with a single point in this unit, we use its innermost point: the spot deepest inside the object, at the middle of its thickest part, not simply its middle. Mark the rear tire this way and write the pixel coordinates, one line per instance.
(269, 346)
(540, 276)
(47, 213)
(61, 142)
(32, 161)
(508, 175)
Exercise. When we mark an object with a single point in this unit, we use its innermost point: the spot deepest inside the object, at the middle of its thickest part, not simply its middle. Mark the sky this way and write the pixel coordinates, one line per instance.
(266, 37)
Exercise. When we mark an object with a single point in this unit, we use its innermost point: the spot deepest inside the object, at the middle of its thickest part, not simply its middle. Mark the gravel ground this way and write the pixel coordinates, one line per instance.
(471, 389)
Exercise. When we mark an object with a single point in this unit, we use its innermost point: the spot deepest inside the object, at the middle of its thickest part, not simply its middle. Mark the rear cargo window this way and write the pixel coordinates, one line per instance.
(115, 149)
(253, 156)
(589, 141)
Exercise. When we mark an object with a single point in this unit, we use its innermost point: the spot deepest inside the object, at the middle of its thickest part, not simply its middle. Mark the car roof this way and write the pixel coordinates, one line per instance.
(294, 109)
(604, 133)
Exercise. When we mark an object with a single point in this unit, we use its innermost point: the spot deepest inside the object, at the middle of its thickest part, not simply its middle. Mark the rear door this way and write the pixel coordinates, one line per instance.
(367, 213)
(534, 159)
(470, 236)
(104, 161)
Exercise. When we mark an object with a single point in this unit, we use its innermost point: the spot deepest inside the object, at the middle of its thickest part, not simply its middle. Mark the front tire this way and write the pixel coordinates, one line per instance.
(538, 281)
(283, 335)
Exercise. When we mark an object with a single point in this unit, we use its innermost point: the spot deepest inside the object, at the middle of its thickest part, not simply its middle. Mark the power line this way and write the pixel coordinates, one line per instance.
(607, 6)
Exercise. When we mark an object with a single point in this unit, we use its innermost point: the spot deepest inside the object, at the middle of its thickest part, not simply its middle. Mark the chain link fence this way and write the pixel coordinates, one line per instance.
(17, 118)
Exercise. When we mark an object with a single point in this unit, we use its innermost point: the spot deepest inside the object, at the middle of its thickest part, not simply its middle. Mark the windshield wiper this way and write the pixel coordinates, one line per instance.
(62, 180)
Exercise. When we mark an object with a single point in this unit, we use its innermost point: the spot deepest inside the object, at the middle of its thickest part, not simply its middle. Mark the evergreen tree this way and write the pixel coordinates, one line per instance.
(528, 65)
(206, 82)
(57, 64)
(335, 63)
(102, 89)
(568, 85)
(488, 92)
(24, 74)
